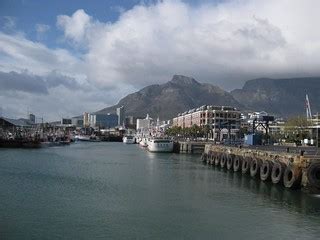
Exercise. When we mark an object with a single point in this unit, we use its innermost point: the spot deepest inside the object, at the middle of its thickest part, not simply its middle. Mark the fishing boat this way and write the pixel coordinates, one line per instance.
(128, 139)
(160, 145)
(87, 138)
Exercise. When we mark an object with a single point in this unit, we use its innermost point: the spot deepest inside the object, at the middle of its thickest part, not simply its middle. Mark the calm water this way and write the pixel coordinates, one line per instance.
(116, 191)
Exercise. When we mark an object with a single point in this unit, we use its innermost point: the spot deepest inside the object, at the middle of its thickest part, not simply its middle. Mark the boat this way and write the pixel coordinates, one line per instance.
(160, 145)
(129, 139)
(86, 138)
(143, 142)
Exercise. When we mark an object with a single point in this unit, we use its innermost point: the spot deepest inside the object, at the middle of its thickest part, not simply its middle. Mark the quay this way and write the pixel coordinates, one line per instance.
(293, 168)
(189, 147)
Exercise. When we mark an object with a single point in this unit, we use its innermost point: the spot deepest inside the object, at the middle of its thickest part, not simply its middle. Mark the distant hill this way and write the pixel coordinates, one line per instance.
(167, 100)
(283, 97)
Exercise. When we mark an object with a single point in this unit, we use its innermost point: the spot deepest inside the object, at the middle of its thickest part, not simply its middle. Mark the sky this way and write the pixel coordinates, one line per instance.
(62, 58)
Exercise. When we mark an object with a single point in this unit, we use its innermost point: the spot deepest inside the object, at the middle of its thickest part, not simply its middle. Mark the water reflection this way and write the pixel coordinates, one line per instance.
(293, 200)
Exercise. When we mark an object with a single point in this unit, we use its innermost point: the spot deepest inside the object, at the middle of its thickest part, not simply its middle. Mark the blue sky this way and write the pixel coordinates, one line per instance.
(28, 13)
(75, 56)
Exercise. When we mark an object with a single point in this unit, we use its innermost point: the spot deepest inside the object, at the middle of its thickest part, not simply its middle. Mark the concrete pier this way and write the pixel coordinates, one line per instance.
(189, 147)
(293, 169)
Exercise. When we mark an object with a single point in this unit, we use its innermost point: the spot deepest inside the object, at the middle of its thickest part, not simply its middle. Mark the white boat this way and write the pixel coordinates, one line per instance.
(86, 138)
(160, 145)
(143, 142)
(82, 138)
(129, 139)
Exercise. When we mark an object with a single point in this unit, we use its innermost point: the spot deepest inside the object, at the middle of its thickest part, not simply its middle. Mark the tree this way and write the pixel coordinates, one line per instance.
(297, 129)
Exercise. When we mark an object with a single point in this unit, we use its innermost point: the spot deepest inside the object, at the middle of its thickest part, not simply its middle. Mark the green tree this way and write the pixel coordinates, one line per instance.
(297, 129)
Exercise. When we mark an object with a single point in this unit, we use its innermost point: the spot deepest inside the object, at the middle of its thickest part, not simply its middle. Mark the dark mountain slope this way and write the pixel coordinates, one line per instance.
(167, 100)
(284, 97)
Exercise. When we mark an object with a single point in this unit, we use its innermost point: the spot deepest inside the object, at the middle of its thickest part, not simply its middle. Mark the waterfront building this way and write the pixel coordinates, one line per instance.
(77, 121)
(131, 122)
(121, 116)
(86, 120)
(66, 121)
(224, 122)
(143, 124)
(103, 120)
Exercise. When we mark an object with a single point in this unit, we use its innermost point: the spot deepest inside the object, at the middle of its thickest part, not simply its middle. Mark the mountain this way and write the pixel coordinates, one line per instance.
(282, 97)
(167, 100)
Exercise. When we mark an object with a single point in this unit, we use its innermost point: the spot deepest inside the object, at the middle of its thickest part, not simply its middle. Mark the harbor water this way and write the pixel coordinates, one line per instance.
(116, 191)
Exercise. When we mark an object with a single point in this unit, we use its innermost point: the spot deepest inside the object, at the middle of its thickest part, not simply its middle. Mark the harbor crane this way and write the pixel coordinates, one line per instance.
(308, 108)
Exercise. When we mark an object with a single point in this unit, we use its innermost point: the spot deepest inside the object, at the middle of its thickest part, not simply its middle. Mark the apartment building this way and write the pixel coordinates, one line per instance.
(221, 120)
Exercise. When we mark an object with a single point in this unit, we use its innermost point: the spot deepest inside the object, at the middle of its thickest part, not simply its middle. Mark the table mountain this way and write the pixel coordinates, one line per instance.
(282, 97)
(167, 100)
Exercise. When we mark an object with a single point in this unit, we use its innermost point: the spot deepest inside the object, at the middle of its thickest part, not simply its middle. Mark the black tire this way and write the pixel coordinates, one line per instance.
(266, 170)
(237, 162)
(223, 160)
(277, 172)
(245, 166)
(292, 177)
(217, 159)
(230, 159)
(313, 175)
(255, 167)
(210, 153)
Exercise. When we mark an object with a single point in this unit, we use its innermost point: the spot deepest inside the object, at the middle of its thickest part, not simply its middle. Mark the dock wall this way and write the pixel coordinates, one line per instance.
(291, 170)
(188, 147)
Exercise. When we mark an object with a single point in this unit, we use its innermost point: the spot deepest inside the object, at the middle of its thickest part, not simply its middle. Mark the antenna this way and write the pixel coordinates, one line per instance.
(308, 108)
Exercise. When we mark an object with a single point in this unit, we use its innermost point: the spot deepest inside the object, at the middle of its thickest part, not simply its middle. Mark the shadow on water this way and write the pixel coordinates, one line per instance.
(293, 200)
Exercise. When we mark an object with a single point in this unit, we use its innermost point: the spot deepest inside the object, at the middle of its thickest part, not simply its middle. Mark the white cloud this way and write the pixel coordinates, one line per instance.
(41, 31)
(76, 26)
(19, 53)
(42, 28)
(8, 22)
(224, 44)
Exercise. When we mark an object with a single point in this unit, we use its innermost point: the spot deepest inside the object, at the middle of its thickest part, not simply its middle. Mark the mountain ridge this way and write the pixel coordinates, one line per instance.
(167, 100)
(281, 97)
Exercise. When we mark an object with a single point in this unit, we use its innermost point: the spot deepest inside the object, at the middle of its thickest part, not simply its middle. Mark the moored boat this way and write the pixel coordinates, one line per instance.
(129, 139)
(143, 142)
(87, 138)
(160, 145)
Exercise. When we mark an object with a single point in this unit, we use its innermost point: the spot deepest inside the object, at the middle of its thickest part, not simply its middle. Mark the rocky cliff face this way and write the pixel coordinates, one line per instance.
(167, 100)
(283, 97)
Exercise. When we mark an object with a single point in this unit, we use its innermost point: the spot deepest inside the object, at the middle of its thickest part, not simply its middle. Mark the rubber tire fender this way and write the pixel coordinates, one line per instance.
(223, 160)
(237, 162)
(230, 160)
(255, 167)
(266, 170)
(313, 174)
(292, 177)
(277, 172)
(245, 166)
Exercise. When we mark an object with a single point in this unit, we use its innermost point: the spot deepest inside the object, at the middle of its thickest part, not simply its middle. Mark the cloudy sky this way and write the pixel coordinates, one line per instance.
(61, 58)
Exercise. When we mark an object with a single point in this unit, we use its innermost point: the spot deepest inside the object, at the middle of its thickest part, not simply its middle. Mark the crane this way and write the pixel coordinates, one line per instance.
(308, 108)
